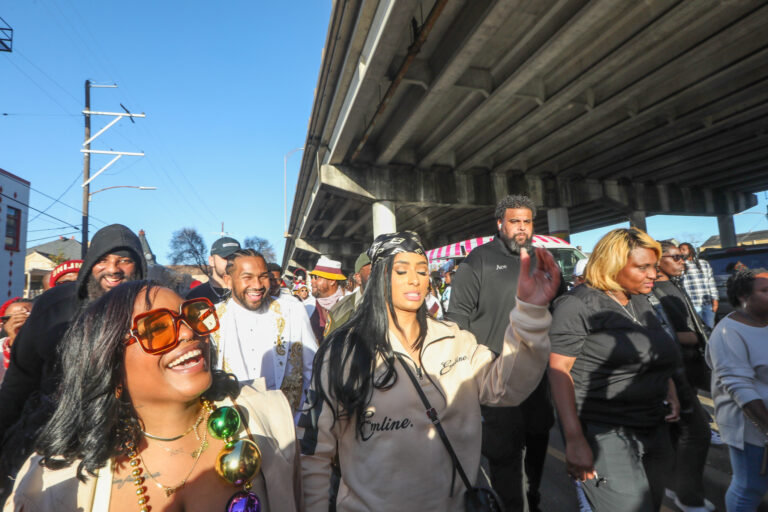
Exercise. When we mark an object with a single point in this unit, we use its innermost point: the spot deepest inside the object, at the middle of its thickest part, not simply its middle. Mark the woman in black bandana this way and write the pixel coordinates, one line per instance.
(365, 409)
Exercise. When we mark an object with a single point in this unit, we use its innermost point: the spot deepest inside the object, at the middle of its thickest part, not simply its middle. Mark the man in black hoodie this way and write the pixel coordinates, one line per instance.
(482, 296)
(114, 257)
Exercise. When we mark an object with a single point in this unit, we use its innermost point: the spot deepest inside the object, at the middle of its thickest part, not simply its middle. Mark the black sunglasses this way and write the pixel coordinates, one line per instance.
(676, 257)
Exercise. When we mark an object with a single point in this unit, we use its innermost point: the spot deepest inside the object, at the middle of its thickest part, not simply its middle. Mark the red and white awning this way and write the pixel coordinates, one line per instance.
(459, 249)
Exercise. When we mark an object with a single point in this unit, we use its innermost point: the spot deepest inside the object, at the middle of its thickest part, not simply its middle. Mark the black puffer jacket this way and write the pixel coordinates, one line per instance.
(32, 376)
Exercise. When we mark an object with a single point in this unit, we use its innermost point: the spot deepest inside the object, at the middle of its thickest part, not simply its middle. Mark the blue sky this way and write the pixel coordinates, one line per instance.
(227, 88)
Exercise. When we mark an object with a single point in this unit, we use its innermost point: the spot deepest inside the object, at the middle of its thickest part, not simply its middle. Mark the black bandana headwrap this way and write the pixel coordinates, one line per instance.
(394, 243)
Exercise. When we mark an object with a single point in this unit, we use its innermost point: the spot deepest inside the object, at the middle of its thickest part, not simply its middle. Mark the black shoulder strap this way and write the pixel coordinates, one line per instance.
(432, 415)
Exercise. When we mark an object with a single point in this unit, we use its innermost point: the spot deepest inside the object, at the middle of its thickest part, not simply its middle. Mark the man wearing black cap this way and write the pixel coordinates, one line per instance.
(114, 257)
(215, 290)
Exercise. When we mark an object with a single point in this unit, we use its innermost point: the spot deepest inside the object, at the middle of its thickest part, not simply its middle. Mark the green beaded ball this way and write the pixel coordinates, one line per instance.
(224, 422)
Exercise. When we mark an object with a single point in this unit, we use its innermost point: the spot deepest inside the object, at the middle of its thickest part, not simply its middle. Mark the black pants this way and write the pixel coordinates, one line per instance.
(633, 466)
(515, 438)
(691, 437)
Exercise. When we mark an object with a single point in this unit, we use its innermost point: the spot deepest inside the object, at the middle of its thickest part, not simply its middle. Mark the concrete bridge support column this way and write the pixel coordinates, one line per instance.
(727, 230)
(383, 218)
(559, 226)
(637, 220)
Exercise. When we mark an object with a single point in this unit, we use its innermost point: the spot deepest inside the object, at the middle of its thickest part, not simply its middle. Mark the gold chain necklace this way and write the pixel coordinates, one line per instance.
(136, 462)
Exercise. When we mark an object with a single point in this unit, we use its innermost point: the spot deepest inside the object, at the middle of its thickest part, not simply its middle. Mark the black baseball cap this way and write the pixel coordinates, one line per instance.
(224, 246)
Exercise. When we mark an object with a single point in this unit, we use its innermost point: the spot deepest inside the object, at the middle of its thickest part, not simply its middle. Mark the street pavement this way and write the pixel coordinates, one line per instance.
(558, 493)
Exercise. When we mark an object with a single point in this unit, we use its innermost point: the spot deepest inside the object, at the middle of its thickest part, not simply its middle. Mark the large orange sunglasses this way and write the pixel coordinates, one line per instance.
(157, 330)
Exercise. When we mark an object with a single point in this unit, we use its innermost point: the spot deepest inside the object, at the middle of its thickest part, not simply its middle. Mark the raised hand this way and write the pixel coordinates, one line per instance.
(540, 286)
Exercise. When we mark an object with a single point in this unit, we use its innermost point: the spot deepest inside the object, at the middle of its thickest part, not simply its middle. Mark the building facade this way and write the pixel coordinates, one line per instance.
(14, 201)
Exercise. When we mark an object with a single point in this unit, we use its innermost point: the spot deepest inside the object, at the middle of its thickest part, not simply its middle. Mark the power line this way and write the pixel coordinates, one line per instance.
(41, 212)
(56, 200)
(62, 107)
(46, 75)
(52, 236)
(44, 229)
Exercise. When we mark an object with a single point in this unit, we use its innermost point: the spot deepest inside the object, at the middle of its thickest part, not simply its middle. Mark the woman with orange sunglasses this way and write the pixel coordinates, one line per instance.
(144, 421)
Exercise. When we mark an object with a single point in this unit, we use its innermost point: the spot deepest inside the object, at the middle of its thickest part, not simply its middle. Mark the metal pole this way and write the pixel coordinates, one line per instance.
(86, 169)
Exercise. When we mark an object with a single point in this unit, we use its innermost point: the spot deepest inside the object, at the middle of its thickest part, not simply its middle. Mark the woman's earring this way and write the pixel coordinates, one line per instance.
(119, 391)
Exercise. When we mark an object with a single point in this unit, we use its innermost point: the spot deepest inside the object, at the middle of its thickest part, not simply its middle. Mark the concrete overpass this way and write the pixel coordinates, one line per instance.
(427, 112)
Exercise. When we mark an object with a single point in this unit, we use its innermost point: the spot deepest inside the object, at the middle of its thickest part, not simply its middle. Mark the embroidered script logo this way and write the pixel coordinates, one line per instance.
(501, 267)
(448, 365)
(368, 427)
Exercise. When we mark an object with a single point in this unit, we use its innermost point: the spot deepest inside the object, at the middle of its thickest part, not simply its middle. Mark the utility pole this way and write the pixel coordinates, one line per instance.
(86, 171)
(87, 178)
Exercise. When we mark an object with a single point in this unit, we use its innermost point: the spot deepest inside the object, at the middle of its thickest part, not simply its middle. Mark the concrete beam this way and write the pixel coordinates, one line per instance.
(703, 59)
(331, 248)
(637, 220)
(727, 231)
(336, 219)
(478, 22)
(384, 220)
(547, 54)
(557, 221)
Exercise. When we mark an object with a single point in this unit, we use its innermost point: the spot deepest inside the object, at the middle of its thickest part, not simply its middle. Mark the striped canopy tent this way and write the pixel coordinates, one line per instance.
(461, 249)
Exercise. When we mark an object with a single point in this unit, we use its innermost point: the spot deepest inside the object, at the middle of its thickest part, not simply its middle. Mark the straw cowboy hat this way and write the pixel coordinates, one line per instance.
(329, 269)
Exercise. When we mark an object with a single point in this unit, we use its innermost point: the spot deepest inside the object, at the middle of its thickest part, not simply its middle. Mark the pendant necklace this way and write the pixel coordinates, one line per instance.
(629, 311)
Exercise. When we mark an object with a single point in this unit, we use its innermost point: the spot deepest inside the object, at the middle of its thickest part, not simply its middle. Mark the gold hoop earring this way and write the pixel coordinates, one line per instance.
(119, 391)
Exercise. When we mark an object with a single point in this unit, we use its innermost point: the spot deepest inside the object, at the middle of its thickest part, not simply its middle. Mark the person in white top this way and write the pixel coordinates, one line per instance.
(263, 336)
(737, 354)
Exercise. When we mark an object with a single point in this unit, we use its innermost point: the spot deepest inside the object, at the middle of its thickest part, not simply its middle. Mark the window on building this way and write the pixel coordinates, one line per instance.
(12, 229)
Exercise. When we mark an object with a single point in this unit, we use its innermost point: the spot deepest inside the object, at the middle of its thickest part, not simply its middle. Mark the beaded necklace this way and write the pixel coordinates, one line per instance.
(237, 463)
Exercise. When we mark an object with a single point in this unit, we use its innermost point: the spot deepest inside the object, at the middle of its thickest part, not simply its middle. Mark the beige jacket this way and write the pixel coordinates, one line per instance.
(397, 461)
(40, 489)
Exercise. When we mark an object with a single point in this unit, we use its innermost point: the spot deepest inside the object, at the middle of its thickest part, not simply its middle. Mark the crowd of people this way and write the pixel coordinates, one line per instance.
(388, 388)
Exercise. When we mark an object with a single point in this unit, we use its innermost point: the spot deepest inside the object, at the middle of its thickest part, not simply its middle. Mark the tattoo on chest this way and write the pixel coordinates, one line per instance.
(119, 483)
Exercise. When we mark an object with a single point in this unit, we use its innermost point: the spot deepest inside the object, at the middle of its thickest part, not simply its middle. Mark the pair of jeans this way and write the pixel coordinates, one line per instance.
(515, 441)
(748, 486)
(707, 315)
(633, 467)
(691, 436)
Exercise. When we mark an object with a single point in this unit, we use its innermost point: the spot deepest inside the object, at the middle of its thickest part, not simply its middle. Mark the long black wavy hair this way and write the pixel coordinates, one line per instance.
(348, 358)
(90, 423)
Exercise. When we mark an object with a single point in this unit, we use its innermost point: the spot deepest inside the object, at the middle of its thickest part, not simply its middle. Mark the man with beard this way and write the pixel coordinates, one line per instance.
(114, 257)
(345, 308)
(277, 286)
(326, 290)
(263, 336)
(215, 290)
(483, 294)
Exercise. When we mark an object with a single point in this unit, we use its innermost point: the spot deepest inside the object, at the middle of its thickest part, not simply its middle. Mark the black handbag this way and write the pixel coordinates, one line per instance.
(476, 499)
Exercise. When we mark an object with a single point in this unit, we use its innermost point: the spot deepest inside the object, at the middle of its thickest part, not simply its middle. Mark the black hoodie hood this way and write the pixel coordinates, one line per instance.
(107, 240)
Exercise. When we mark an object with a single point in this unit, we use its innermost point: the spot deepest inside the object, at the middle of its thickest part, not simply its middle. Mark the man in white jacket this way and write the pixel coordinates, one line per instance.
(263, 336)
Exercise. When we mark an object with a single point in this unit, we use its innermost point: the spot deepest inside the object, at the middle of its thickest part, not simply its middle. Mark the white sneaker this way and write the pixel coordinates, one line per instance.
(715, 438)
(708, 506)
(584, 505)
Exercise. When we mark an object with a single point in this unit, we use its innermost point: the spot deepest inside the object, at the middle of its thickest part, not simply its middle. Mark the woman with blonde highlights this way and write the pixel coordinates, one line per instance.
(610, 372)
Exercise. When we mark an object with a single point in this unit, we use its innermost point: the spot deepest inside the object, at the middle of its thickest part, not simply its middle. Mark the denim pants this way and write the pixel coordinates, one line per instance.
(748, 486)
(707, 315)
(633, 467)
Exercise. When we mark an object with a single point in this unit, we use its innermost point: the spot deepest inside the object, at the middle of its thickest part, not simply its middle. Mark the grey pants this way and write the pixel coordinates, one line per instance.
(633, 466)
